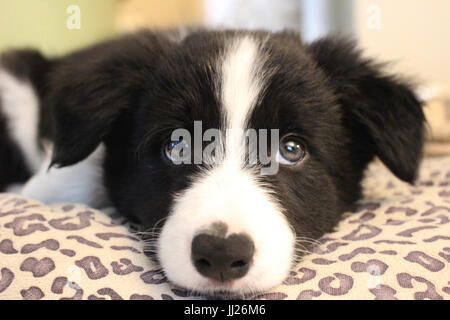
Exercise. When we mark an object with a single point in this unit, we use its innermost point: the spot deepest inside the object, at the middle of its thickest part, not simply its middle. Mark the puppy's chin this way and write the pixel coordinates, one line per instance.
(223, 292)
(240, 206)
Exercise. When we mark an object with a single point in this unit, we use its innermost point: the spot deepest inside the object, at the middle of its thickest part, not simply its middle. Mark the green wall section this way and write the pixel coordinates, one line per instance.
(42, 24)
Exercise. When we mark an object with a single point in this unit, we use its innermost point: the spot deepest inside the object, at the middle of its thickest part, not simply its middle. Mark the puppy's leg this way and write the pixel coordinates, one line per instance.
(80, 183)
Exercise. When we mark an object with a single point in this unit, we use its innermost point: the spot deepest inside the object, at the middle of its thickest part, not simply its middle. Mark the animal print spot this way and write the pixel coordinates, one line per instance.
(354, 253)
(426, 220)
(374, 267)
(121, 248)
(140, 297)
(271, 296)
(444, 194)
(93, 267)
(444, 255)
(364, 218)
(6, 247)
(393, 242)
(389, 252)
(109, 235)
(94, 297)
(322, 261)
(408, 211)
(84, 241)
(17, 202)
(6, 279)
(434, 210)
(61, 282)
(83, 221)
(68, 208)
(330, 248)
(77, 296)
(443, 219)
(67, 252)
(308, 294)
(436, 238)
(125, 267)
(383, 292)
(113, 295)
(20, 227)
(49, 244)
(58, 285)
(392, 222)
(38, 268)
(345, 284)
(363, 232)
(425, 261)
(406, 281)
(409, 233)
(33, 293)
(11, 212)
(446, 289)
(308, 274)
(435, 173)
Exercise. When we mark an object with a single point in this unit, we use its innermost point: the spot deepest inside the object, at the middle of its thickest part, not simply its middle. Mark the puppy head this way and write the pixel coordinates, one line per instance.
(223, 225)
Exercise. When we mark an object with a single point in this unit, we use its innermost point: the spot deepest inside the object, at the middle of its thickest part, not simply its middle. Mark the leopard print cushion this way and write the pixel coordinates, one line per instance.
(396, 245)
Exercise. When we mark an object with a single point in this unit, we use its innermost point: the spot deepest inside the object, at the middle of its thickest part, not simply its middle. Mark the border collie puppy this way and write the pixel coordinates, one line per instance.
(97, 126)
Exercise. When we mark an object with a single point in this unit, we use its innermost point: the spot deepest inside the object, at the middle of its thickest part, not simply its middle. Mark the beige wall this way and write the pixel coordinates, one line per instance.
(42, 24)
(133, 14)
(413, 33)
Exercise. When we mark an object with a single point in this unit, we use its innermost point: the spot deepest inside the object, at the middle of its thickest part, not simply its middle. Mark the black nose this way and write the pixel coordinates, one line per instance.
(220, 258)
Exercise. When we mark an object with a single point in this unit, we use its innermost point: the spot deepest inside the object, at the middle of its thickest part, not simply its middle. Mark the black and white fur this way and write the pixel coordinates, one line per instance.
(99, 118)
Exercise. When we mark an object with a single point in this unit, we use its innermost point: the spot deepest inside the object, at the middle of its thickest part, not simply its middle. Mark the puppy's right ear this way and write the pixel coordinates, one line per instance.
(92, 89)
(381, 112)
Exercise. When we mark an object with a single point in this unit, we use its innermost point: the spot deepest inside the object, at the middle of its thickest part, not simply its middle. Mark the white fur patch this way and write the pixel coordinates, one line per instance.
(241, 85)
(80, 183)
(20, 105)
(229, 194)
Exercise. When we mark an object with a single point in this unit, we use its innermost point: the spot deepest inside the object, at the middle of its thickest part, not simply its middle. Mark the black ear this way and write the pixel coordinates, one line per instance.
(92, 89)
(383, 115)
(27, 65)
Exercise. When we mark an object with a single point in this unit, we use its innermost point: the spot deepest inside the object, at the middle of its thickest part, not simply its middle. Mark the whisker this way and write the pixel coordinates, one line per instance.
(308, 240)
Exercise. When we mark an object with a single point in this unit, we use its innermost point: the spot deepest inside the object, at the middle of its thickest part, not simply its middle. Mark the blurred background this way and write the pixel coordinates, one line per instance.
(414, 34)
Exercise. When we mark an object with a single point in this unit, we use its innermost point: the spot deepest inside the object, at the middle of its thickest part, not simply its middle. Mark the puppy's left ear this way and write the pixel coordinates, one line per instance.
(383, 115)
(96, 90)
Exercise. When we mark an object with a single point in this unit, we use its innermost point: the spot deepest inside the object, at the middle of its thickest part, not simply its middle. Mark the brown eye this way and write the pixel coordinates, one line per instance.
(291, 150)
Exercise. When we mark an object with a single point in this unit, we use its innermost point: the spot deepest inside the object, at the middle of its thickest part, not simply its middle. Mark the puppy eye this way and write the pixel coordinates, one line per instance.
(177, 151)
(291, 150)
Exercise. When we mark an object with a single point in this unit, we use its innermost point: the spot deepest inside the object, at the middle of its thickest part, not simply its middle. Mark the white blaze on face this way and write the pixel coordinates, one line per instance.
(240, 89)
(231, 194)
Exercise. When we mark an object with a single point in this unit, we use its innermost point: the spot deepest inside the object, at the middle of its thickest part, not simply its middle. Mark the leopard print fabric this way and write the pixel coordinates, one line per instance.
(395, 245)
